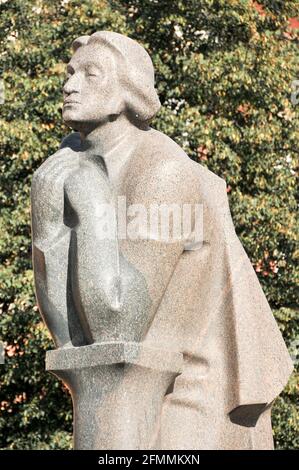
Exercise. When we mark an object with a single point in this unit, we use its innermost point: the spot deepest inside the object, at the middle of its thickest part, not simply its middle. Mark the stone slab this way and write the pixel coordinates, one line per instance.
(113, 353)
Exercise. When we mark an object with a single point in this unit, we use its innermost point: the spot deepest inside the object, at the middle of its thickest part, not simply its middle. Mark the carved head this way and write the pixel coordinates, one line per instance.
(108, 74)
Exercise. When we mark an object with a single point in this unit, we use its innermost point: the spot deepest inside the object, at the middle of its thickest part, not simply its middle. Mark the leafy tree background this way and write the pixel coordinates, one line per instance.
(224, 75)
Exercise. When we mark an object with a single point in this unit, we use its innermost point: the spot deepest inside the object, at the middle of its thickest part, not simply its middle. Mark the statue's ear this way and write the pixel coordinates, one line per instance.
(142, 105)
(81, 41)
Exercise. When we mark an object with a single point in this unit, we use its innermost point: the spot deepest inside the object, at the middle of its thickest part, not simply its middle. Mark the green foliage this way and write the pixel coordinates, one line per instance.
(224, 75)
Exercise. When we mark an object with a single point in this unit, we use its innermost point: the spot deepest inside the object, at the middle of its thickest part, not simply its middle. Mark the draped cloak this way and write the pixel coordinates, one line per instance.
(235, 360)
(214, 312)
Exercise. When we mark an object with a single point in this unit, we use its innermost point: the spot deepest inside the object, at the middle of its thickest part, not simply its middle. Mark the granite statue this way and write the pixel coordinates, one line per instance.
(165, 342)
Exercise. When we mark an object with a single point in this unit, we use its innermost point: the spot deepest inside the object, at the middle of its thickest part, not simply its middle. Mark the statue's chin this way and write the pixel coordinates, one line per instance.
(85, 125)
(81, 126)
(72, 124)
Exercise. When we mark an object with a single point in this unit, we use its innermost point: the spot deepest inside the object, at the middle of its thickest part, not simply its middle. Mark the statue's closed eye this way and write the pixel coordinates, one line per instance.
(92, 71)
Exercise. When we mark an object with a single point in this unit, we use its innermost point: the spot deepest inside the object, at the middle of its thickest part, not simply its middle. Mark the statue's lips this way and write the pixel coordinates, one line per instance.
(67, 102)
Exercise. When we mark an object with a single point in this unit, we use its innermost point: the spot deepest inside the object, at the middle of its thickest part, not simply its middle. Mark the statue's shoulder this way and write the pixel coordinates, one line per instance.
(165, 159)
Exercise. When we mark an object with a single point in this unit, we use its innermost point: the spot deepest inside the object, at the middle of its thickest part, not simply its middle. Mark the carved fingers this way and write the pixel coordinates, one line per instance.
(47, 194)
(86, 189)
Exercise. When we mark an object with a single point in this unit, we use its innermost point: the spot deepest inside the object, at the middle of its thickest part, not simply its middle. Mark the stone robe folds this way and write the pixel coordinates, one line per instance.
(213, 311)
(235, 360)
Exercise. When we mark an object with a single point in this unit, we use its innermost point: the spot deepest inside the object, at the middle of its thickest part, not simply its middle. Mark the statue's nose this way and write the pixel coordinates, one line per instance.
(72, 85)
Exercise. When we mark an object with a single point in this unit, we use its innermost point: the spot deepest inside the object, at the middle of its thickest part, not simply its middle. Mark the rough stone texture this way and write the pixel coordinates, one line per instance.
(162, 347)
(118, 391)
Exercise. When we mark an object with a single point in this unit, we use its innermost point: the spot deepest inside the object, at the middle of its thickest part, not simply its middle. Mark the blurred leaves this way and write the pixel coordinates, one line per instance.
(224, 74)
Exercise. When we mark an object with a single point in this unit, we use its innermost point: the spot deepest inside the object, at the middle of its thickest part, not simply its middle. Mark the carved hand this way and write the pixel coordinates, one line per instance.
(50, 257)
(48, 198)
(86, 190)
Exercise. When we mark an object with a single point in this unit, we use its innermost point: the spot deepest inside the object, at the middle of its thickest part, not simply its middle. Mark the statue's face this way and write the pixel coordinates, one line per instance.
(91, 92)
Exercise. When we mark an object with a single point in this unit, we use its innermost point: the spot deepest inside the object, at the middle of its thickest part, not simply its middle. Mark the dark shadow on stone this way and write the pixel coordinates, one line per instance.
(170, 388)
(247, 415)
(70, 218)
(80, 335)
(73, 141)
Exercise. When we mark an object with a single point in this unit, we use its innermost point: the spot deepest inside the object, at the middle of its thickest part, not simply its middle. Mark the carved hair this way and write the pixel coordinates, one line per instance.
(136, 72)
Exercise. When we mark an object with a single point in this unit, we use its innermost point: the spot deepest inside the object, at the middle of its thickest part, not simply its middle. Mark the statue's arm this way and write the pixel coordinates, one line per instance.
(172, 184)
(50, 242)
(115, 282)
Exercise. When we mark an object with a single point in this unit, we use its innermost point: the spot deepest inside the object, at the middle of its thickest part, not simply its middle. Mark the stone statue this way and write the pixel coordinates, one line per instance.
(165, 342)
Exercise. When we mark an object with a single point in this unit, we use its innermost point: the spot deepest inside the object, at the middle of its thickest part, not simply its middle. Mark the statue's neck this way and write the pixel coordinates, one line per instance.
(108, 136)
(114, 142)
